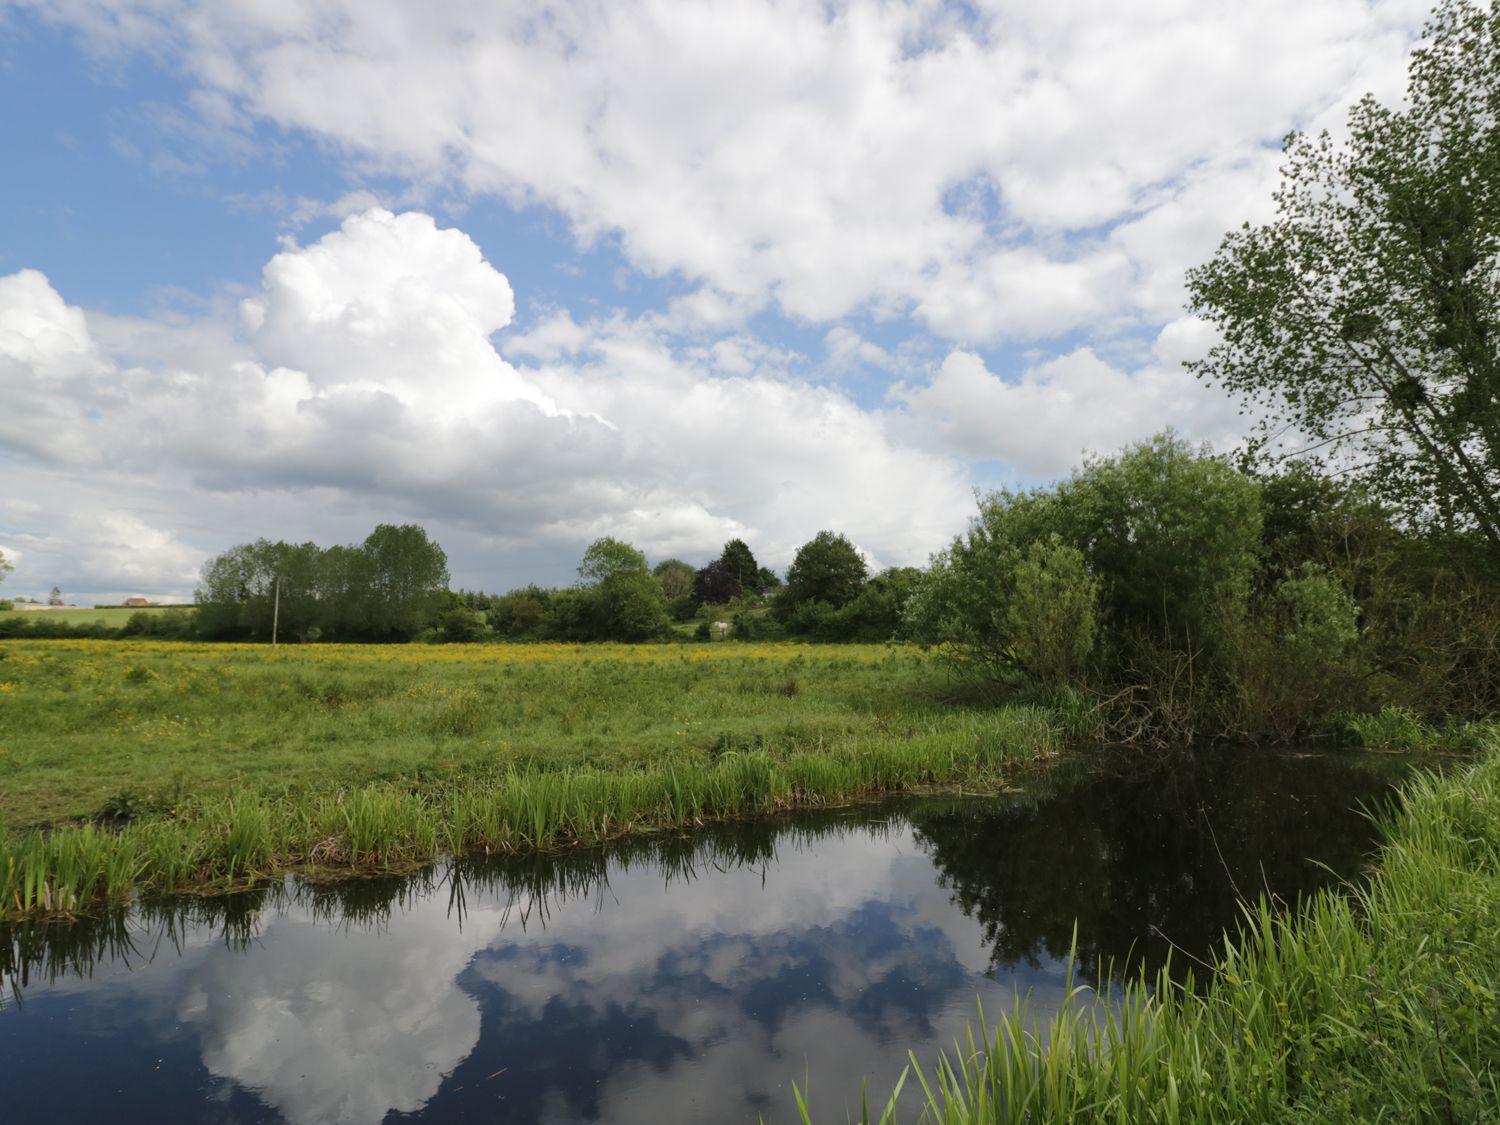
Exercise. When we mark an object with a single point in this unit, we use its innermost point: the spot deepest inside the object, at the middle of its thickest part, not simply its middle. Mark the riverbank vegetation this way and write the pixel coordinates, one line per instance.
(161, 766)
(1189, 598)
(1375, 1002)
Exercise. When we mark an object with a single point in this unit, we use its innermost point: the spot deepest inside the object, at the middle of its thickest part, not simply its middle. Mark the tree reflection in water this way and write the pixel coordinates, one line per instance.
(1148, 855)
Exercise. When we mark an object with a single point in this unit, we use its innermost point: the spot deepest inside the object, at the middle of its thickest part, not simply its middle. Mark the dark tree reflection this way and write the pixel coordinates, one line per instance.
(1145, 856)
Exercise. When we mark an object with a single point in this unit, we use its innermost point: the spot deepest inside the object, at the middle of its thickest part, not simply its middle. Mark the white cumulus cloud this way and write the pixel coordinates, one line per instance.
(962, 163)
(363, 375)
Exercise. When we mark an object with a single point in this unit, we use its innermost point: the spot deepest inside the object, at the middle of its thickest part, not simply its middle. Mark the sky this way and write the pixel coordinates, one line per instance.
(531, 274)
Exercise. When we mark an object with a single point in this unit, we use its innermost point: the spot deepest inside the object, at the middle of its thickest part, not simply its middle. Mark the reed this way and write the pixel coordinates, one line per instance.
(1369, 1003)
(246, 836)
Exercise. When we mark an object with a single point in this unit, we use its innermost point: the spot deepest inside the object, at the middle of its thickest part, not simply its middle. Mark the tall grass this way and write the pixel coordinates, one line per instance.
(532, 885)
(131, 729)
(234, 840)
(1377, 1003)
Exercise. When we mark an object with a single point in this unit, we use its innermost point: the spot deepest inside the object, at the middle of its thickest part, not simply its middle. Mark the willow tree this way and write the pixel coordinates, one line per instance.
(1362, 323)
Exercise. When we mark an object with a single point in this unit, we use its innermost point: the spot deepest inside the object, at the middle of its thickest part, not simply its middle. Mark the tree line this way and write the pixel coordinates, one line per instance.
(390, 587)
(828, 594)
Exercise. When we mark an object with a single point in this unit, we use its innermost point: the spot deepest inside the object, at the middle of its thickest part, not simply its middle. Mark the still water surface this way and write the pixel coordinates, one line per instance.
(680, 978)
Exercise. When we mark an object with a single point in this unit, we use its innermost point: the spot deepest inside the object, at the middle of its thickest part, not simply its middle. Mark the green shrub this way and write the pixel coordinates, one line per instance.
(1053, 615)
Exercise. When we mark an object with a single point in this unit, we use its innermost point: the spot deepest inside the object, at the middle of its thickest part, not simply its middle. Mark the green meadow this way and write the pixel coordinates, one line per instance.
(154, 765)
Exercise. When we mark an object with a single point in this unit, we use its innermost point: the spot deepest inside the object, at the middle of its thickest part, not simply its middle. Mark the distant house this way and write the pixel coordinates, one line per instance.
(136, 601)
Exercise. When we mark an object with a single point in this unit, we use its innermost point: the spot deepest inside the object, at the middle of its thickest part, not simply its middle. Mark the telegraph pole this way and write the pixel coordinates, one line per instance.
(276, 611)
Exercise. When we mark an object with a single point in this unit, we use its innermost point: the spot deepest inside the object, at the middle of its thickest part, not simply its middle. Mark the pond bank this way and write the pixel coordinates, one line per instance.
(1375, 1003)
(234, 841)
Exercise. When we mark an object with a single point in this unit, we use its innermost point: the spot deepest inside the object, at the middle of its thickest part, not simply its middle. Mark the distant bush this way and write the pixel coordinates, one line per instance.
(172, 624)
(460, 626)
(38, 627)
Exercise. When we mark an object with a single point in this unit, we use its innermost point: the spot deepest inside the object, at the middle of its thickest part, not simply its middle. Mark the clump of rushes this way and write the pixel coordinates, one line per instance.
(239, 839)
(1374, 1003)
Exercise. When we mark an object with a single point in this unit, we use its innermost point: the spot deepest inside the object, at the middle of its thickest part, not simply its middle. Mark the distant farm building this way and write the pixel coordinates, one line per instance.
(136, 601)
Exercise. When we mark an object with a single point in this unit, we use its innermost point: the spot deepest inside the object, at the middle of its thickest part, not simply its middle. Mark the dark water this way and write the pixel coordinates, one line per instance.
(685, 978)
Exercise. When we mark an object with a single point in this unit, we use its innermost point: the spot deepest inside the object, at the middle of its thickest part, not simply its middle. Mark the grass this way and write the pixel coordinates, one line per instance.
(1373, 1004)
(221, 765)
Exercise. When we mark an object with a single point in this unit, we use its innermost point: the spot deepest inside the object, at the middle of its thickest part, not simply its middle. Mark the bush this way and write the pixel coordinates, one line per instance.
(1052, 618)
(460, 626)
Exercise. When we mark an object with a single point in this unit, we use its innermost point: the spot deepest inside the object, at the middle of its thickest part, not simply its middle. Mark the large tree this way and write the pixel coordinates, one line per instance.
(734, 573)
(408, 580)
(622, 601)
(1364, 320)
(828, 569)
(1161, 537)
(608, 558)
(676, 578)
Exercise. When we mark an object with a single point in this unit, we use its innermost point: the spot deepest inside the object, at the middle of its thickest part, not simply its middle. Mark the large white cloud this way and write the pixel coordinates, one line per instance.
(1045, 421)
(963, 162)
(364, 370)
(47, 357)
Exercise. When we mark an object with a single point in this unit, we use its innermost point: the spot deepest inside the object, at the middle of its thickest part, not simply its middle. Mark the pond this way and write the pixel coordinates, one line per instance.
(680, 977)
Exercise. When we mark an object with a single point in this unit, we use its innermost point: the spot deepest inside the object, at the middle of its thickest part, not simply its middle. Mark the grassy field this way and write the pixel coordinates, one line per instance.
(1371, 1004)
(112, 617)
(89, 726)
(233, 761)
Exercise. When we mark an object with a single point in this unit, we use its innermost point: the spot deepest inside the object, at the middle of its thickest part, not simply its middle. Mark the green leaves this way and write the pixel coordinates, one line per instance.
(1362, 322)
(388, 588)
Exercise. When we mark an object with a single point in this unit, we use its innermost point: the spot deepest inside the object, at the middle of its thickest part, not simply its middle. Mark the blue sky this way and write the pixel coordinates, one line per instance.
(672, 272)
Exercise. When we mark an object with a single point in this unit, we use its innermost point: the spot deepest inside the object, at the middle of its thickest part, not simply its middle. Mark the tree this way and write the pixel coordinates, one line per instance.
(6, 566)
(1171, 532)
(874, 615)
(716, 584)
(343, 578)
(1366, 315)
(740, 562)
(609, 558)
(407, 580)
(733, 574)
(297, 569)
(461, 625)
(1052, 619)
(629, 607)
(1166, 540)
(622, 600)
(828, 569)
(676, 578)
(391, 587)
